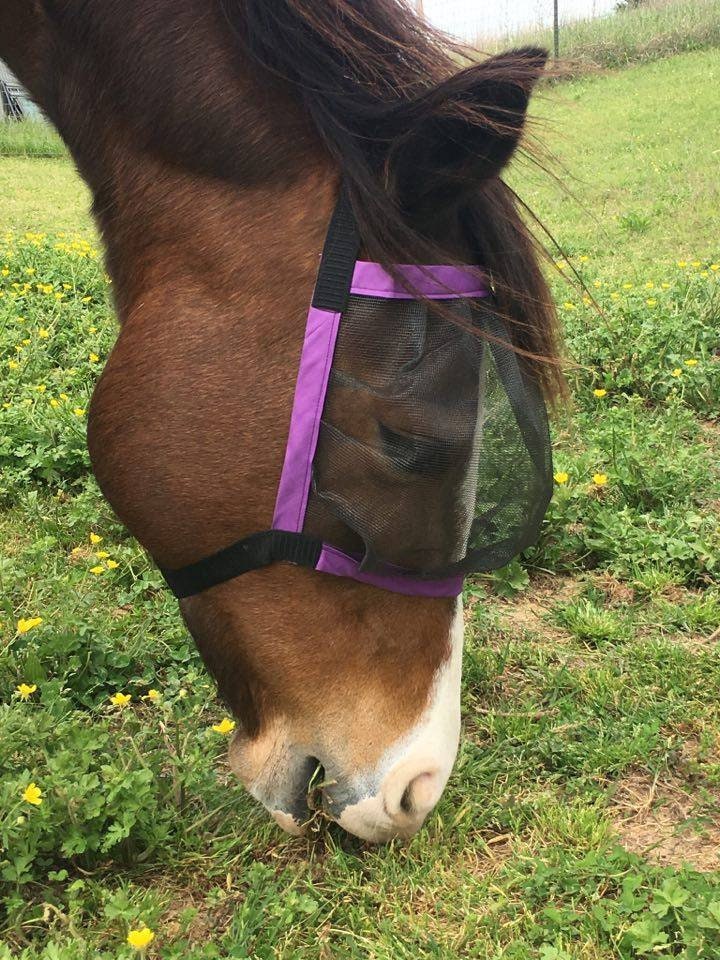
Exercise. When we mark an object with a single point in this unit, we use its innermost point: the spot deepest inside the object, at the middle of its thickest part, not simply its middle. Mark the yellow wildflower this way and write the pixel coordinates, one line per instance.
(627, 286)
(27, 342)
(64, 396)
(697, 263)
(600, 479)
(41, 388)
(152, 695)
(615, 296)
(600, 393)
(665, 286)
(691, 362)
(583, 259)
(649, 285)
(79, 411)
(92, 329)
(120, 699)
(102, 554)
(24, 625)
(95, 538)
(561, 477)
(112, 564)
(43, 333)
(97, 570)
(704, 274)
(54, 402)
(93, 358)
(682, 264)
(32, 794)
(597, 283)
(26, 690)
(677, 372)
(225, 726)
(715, 266)
(568, 305)
(13, 364)
(651, 302)
(140, 939)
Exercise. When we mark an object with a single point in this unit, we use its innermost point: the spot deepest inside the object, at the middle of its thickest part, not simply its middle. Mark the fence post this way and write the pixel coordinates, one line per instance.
(556, 29)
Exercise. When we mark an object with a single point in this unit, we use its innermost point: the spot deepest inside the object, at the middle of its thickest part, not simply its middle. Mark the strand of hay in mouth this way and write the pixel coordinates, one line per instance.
(668, 823)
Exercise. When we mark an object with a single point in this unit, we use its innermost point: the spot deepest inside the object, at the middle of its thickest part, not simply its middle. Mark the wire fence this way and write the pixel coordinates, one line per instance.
(475, 20)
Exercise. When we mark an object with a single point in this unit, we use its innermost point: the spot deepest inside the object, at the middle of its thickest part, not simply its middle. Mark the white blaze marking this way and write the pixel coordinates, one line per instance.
(429, 748)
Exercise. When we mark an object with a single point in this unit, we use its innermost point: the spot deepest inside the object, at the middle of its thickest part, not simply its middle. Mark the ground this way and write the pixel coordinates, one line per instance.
(582, 818)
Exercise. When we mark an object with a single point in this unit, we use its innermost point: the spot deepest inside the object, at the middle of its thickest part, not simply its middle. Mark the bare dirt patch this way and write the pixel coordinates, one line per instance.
(668, 822)
(528, 612)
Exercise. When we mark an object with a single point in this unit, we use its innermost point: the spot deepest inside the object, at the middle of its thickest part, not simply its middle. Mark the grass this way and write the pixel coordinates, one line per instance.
(30, 138)
(651, 30)
(581, 820)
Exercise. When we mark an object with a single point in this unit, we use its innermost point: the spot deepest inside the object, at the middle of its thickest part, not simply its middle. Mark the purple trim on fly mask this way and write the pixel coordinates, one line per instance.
(435, 283)
(312, 380)
(339, 564)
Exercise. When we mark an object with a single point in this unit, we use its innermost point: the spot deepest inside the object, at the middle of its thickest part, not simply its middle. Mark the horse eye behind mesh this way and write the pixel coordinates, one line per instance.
(412, 453)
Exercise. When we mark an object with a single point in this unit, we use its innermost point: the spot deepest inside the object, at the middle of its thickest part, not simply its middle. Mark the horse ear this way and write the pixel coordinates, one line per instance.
(464, 131)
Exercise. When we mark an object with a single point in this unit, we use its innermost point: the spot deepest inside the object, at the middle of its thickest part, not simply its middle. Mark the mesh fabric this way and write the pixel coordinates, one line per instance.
(433, 453)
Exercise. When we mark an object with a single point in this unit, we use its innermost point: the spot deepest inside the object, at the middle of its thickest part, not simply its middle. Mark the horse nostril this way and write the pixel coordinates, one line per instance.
(406, 800)
(420, 795)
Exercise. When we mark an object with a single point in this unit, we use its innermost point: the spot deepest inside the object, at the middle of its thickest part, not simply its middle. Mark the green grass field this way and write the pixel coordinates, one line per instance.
(582, 820)
(637, 33)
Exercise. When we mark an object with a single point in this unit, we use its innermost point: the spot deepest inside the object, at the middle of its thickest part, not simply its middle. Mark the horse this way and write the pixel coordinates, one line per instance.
(214, 136)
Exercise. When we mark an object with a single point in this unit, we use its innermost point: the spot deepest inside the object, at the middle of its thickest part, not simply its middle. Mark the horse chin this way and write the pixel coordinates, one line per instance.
(388, 800)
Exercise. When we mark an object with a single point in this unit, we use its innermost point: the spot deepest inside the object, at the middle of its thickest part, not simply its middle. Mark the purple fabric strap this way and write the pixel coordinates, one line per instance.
(341, 565)
(433, 282)
(310, 389)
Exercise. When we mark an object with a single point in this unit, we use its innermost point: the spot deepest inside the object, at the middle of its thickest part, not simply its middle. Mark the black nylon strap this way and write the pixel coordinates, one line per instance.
(342, 246)
(257, 550)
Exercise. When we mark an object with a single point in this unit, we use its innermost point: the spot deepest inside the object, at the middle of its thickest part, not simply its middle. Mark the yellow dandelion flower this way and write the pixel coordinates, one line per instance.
(79, 411)
(597, 283)
(704, 274)
(7, 405)
(95, 538)
(649, 285)
(140, 939)
(27, 342)
(682, 264)
(64, 397)
(54, 402)
(225, 726)
(93, 358)
(26, 690)
(691, 362)
(13, 364)
(152, 695)
(677, 372)
(102, 554)
(665, 286)
(600, 479)
(32, 794)
(120, 699)
(583, 258)
(561, 477)
(92, 329)
(600, 393)
(43, 333)
(715, 266)
(697, 263)
(568, 305)
(651, 302)
(627, 286)
(41, 388)
(23, 625)
(97, 570)
(112, 564)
